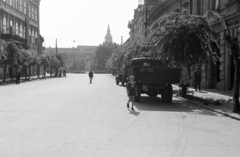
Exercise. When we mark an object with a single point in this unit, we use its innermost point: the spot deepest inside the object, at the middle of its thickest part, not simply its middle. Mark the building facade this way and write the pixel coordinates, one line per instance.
(79, 59)
(19, 21)
(219, 75)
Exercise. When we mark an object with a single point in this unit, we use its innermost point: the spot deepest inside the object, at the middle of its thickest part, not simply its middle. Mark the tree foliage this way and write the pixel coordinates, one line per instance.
(102, 55)
(183, 38)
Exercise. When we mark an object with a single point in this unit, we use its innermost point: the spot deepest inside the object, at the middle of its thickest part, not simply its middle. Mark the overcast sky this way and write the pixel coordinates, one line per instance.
(84, 21)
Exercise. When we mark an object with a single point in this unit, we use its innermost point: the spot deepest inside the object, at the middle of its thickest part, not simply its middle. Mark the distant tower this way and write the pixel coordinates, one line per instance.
(108, 37)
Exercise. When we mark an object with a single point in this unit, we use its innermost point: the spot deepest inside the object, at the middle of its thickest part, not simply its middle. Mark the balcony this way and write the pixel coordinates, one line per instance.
(17, 38)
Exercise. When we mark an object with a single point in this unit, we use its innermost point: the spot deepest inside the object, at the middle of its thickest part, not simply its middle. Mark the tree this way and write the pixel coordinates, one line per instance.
(234, 50)
(184, 38)
(74, 66)
(14, 55)
(102, 55)
(3, 52)
(82, 65)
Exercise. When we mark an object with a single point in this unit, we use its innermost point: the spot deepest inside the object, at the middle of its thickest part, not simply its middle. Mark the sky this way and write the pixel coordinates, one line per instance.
(84, 22)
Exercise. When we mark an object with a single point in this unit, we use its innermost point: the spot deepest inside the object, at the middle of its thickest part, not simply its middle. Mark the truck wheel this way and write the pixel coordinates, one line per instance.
(122, 83)
(170, 93)
(117, 82)
(138, 97)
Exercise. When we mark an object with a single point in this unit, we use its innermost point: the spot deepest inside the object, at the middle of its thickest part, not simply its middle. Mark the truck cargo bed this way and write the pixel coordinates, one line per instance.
(156, 74)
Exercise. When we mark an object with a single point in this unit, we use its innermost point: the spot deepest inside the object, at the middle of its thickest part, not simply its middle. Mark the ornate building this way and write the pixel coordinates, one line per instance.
(108, 37)
(19, 21)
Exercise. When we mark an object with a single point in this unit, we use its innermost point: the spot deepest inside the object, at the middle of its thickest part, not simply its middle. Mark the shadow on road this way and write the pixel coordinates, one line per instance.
(156, 104)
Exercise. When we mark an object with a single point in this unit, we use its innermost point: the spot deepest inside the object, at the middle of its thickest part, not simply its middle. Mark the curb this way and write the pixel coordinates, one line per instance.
(211, 109)
(8, 82)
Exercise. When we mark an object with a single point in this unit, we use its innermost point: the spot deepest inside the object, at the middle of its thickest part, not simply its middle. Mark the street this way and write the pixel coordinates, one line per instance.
(68, 117)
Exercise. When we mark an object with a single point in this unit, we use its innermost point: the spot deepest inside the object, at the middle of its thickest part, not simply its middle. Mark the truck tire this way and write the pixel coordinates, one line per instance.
(170, 93)
(117, 82)
(122, 83)
(138, 97)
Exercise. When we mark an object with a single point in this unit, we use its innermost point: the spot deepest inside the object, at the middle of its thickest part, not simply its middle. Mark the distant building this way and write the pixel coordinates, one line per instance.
(108, 37)
(80, 58)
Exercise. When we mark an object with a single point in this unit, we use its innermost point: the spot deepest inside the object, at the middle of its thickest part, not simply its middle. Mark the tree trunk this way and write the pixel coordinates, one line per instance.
(56, 72)
(4, 71)
(38, 71)
(236, 107)
(29, 70)
(44, 71)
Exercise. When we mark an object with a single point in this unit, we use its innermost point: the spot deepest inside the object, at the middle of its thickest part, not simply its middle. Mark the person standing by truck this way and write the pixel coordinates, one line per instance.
(197, 79)
(131, 91)
(18, 75)
(90, 74)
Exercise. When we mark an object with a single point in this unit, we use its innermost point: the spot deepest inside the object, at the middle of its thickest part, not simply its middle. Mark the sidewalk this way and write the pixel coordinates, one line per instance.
(23, 79)
(217, 101)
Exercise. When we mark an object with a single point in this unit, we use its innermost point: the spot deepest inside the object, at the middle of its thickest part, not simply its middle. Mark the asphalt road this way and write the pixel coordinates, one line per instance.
(68, 117)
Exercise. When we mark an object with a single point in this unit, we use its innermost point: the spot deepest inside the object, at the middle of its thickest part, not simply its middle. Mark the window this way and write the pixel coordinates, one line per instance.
(215, 4)
(20, 31)
(20, 6)
(10, 2)
(36, 18)
(25, 7)
(191, 7)
(29, 11)
(199, 7)
(33, 13)
(24, 33)
(30, 39)
(4, 25)
(10, 26)
(17, 28)
(16, 4)
(36, 37)
(33, 39)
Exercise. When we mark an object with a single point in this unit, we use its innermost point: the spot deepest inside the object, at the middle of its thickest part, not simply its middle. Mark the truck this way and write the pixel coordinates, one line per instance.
(122, 76)
(153, 79)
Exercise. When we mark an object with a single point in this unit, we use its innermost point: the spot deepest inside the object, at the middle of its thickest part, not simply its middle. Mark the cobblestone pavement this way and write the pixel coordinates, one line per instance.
(68, 117)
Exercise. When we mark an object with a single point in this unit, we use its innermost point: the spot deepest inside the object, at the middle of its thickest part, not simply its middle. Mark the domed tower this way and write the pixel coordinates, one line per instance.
(108, 37)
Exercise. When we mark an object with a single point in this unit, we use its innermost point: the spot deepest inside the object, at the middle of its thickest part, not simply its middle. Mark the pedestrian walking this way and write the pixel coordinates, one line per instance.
(60, 73)
(18, 75)
(131, 91)
(90, 74)
(64, 73)
(197, 78)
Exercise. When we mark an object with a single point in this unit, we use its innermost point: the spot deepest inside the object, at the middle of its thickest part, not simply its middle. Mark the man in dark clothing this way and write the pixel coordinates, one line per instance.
(198, 77)
(90, 74)
(18, 75)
